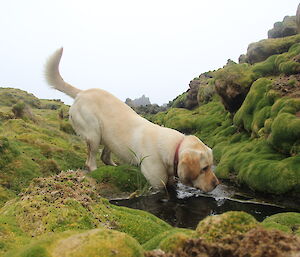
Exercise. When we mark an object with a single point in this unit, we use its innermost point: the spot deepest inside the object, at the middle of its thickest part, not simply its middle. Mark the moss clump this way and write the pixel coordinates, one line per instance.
(285, 132)
(97, 242)
(179, 101)
(264, 114)
(66, 127)
(163, 238)
(125, 177)
(261, 50)
(214, 228)
(255, 163)
(70, 201)
(287, 222)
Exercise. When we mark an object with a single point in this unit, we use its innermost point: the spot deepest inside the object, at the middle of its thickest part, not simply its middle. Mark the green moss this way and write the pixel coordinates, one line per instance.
(288, 222)
(175, 241)
(127, 178)
(154, 243)
(97, 242)
(285, 134)
(256, 107)
(236, 74)
(66, 127)
(139, 224)
(214, 228)
(5, 195)
(261, 50)
(253, 162)
(179, 101)
(70, 201)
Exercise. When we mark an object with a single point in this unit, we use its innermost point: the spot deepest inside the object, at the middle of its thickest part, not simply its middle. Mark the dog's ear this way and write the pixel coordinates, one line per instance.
(191, 163)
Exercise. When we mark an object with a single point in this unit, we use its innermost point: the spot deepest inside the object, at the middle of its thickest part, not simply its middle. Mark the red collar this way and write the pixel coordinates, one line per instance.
(175, 163)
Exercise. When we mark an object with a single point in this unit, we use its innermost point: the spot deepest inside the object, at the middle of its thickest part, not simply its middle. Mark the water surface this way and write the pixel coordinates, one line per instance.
(185, 206)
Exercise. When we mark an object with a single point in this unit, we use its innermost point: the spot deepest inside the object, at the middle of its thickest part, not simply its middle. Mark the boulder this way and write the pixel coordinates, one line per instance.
(261, 50)
(285, 28)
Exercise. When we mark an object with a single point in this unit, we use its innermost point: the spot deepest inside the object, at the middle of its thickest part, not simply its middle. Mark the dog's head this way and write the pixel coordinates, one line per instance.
(195, 165)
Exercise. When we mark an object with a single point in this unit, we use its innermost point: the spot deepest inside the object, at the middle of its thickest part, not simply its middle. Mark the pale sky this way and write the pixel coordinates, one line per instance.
(128, 47)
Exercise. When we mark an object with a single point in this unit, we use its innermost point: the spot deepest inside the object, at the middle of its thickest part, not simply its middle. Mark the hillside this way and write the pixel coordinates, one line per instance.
(248, 112)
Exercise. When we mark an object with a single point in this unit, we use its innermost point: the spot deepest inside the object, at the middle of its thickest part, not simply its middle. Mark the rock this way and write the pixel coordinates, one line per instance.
(215, 228)
(98, 243)
(261, 50)
(234, 234)
(69, 201)
(201, 90)
(142, 101)
(285, 28)
(287, 222)
(232, 83)
(94, 243)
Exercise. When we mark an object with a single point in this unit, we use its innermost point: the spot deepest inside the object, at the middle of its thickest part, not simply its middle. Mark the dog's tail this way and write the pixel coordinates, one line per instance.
(54, 78)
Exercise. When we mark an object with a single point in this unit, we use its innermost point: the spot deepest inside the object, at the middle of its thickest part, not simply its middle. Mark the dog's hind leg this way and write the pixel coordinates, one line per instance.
(92, 147)
(106, 157)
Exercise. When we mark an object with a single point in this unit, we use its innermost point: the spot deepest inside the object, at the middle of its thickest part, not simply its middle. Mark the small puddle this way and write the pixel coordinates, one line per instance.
(186, 206)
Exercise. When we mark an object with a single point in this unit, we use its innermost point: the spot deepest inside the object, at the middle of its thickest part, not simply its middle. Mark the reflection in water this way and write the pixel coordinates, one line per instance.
(186, 207)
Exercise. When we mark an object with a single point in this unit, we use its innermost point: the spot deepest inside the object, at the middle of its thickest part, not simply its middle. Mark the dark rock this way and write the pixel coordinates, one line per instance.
(287, 27)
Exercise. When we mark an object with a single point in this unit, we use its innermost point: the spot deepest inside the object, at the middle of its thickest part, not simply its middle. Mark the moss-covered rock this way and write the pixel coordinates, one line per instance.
(125, 177)
(214, 228)
(265, 113)
(69, 201)
(261, 50)
(287, 222)
(168, 239)
(96, 242)
(230, 234)
(287, 27)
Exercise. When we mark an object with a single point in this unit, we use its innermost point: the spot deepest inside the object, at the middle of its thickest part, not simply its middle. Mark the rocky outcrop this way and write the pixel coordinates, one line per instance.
(260, 51)
(201, 90)
(285, 28)
(142, 101)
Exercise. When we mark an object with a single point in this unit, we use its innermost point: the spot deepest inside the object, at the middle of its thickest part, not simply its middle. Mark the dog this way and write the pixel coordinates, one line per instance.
(162, 153)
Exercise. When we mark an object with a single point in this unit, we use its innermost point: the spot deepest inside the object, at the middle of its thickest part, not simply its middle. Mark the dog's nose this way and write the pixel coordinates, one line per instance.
(215, 182)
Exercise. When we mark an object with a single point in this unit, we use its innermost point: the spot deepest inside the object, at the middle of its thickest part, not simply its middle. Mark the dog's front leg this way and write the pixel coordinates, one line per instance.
(155, 173)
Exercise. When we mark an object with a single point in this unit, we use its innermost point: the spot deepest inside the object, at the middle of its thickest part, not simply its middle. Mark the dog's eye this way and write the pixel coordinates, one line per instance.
(205, 168)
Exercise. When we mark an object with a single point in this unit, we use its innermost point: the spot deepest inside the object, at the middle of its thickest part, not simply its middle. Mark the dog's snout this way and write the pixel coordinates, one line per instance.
(215, 182)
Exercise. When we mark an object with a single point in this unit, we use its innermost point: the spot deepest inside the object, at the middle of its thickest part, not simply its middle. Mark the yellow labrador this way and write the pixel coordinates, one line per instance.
(101, 118)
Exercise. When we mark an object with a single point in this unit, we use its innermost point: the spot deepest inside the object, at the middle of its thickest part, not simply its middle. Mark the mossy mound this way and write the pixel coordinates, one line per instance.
(234, 80)
(288, 222)
(69, 201)
(266, 114)
(287, 27)
(214, 228)
(125, 177)
(234, 234)
(168, 238)
(96, 242)
(206, 120)
(34, 143)
(253, 162)
(11, 96)
(261, 50)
